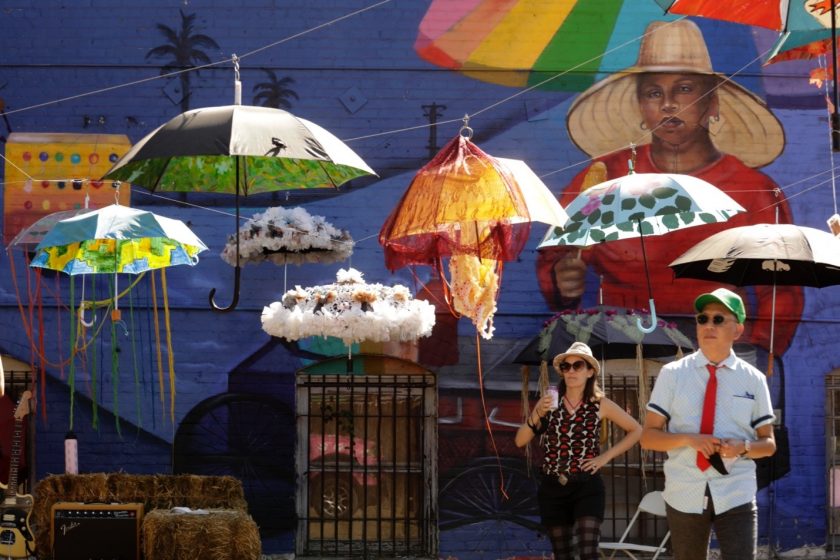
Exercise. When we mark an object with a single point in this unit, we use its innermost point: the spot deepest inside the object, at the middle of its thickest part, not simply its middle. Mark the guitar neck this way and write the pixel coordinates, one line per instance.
(11, 489)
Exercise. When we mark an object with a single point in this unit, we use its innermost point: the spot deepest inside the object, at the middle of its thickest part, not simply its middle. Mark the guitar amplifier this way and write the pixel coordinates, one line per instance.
(96, 531)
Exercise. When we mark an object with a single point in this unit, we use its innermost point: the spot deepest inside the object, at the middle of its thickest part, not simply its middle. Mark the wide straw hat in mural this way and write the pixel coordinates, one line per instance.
(606, 117)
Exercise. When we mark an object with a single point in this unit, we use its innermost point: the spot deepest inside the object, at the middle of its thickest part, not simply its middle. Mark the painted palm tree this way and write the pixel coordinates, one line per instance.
(5, 118)
(184, 49)
(274, 92)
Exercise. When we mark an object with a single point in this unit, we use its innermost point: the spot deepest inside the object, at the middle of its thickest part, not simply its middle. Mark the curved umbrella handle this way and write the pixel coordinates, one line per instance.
(121, 324)
(232, 306)
(652, 327)
(82, 320)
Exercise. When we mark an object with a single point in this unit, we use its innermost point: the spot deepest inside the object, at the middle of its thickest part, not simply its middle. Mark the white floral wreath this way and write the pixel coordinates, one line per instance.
(350, 310)
(290, 236)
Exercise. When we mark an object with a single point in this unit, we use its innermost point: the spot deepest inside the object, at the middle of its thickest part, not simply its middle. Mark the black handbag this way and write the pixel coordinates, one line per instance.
(768, 469)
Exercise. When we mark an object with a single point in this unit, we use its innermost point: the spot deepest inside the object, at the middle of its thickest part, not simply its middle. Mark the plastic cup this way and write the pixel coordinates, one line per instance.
(834, 224)
(555, 397)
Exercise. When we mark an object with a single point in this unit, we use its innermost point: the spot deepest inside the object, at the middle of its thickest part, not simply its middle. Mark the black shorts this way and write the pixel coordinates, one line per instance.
(582, 496)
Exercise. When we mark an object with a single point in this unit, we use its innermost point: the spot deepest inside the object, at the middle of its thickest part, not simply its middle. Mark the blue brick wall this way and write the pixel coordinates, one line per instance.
(58, 50)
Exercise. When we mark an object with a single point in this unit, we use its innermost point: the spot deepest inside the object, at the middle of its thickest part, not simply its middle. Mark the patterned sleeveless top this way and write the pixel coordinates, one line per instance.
(571, 437)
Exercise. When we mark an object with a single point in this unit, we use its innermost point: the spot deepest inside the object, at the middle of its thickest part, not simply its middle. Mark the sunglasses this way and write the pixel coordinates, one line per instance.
(716, 320)
(577, 366)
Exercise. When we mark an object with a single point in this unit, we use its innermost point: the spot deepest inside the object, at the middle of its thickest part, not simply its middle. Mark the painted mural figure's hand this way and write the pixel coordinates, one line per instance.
(569, 274)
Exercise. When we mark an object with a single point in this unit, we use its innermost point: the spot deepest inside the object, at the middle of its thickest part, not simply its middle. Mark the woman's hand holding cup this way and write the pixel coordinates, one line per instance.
(555, 398)
(543, 406)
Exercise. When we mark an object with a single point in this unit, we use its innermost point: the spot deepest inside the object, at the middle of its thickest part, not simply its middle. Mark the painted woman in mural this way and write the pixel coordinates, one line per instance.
(571, 493)
(685, 118)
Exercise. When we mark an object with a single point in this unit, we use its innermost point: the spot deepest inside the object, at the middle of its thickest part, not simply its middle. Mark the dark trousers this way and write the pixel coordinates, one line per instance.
(736, 531)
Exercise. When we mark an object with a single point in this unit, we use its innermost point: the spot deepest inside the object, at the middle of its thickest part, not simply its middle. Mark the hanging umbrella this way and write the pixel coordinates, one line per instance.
(523, 44)
(29, 237)
(238, 149)
(289, 236)
(351, 310)
(764, 255)
(641, 204)
(800, 21)
(113, 240)
(474, 209)
(609, 331)
(117, 239)
(809, 46)
(466, 201)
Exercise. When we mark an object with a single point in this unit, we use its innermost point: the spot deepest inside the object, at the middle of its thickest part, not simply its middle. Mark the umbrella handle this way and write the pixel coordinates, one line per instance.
(232, 306)
(82, 320)
(652, 327)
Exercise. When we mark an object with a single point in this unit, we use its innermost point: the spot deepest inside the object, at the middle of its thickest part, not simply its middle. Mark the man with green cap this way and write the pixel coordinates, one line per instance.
(711, 412)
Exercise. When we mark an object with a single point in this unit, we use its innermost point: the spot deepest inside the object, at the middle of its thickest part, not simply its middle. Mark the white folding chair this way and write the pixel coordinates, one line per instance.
(652, 503)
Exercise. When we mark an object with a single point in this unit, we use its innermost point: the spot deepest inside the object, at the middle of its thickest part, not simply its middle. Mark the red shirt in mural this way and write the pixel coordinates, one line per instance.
(621, 267)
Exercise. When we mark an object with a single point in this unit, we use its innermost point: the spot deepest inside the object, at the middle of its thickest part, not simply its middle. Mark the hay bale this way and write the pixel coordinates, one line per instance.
(153, 491)
(130, 488)
(221, 492)
(221, 534)
(195, 491)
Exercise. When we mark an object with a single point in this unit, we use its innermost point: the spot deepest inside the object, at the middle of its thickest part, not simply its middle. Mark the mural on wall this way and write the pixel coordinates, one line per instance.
(353, 79)
(51, 172)
(677, 113)
(690, 120)
(275, 92)
(183, 51)
(5, 117)
(484, 40)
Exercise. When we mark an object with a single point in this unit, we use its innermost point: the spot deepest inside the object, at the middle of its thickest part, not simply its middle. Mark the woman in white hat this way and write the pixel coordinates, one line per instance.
(571, 494)
(682, 117)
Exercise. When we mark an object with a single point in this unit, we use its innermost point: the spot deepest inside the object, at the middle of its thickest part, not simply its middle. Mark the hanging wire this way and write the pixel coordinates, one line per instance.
(824, 66)
(235, 59)
(558, 75)
(237, 83)
(466, 131)
(202, 67)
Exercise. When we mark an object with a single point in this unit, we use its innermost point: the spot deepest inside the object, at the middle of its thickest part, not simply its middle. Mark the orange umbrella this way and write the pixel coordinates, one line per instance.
(474, 209)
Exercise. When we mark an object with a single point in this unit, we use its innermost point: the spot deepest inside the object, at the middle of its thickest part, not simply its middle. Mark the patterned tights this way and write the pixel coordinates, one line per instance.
(588, 532)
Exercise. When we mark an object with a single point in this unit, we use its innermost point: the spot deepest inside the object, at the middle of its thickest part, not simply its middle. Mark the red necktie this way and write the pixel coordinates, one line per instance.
(707, 423)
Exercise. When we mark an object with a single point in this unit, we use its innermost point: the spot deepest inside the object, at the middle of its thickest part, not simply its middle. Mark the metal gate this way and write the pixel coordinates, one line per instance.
(832, 450)
(366, 459)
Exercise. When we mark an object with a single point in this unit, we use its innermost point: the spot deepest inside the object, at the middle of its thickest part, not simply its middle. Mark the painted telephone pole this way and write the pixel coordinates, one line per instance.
(433, 111)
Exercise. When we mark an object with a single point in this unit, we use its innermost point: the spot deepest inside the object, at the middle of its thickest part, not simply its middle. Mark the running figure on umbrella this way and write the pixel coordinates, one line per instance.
(571, 493)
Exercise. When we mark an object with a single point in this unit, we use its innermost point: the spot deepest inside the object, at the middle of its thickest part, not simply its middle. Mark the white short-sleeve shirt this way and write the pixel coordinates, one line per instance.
(743, 404)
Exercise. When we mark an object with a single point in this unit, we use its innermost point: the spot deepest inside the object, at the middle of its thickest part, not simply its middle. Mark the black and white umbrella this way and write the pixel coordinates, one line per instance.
(764, 255)
(238, 149)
